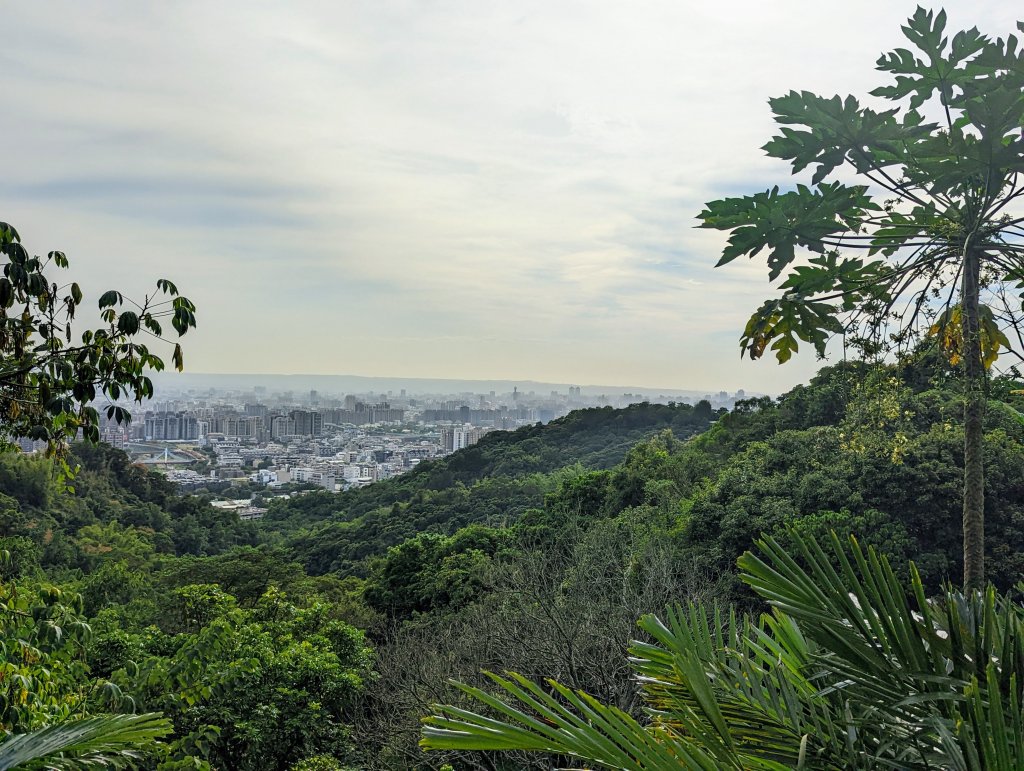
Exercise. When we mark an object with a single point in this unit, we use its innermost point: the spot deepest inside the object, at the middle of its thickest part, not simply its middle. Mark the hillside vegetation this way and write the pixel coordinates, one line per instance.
(534, 551)
(493, 482)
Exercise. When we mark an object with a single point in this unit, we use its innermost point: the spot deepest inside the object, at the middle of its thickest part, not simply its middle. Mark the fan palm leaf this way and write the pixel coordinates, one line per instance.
(853, 668)
(103, 741)
(569, 723)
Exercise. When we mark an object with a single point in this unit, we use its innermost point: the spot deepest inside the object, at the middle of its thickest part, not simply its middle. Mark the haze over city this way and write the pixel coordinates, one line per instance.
(432, 190)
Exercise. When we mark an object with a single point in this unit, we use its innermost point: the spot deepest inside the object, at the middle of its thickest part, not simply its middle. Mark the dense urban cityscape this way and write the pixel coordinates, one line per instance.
(282, 441)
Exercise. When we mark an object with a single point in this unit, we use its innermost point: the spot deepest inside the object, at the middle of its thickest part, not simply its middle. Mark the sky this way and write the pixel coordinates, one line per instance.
(444, 188)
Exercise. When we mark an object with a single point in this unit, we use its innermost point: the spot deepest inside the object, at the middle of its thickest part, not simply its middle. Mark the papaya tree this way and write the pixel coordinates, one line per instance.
(911, 221)
(50, 376)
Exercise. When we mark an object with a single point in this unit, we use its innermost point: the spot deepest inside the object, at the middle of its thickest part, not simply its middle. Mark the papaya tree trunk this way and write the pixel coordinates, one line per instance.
(974, 418)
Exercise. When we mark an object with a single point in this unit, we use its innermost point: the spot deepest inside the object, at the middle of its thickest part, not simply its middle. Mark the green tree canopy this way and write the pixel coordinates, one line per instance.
(48, 379)
(49, 382)
(929, 240)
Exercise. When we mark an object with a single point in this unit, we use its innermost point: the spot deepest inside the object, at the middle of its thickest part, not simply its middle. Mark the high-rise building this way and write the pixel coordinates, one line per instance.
(307, 422)
(281, 425)
(247, 426)
(459, 437)
(171, 426)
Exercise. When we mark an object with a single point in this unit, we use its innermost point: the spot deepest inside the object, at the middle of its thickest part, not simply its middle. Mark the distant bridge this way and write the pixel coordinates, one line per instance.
(165, 458)
(156, 454)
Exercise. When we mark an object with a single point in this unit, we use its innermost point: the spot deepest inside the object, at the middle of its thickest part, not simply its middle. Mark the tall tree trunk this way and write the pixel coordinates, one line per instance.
(974, 418)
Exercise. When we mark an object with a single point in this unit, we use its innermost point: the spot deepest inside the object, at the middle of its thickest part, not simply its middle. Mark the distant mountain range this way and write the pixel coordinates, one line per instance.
(359, 384)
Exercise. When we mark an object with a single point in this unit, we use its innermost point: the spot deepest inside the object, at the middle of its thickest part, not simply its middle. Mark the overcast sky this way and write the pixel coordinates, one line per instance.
(428, 189)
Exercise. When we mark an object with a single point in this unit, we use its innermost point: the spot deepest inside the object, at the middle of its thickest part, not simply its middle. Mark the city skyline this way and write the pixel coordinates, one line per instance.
(457, 189)
(266, 439)
(364, 384)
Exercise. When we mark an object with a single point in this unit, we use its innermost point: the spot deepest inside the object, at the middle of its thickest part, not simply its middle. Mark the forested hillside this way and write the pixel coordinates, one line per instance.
(109, 501)
(121, 595)
(492, 483)
(167, 603)
(331, 627)
(875, 451)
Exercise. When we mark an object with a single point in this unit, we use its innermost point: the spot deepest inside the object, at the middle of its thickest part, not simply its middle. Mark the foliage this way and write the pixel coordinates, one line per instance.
(943, 237)
(109, 741)
(46, 692)
(20, 558)
(249, 688)
(888, 466)
(47, 388)
(245, 572)
(430, 571)
(567, 610)
(542, 573)
(846, 672)
(945, 186)
(318, 763)
(44, 679)
(47, 382)
(117, 512)
(493, 483)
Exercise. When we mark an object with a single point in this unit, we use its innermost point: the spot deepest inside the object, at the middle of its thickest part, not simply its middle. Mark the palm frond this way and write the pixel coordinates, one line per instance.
(851, 669)
(723, 684)
(895, 654)
(103, 741)
(991, 733)
(575, 725)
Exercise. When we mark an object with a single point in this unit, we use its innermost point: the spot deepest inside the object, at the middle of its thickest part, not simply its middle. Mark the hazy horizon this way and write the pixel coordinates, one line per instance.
(447, 190)
(377, 383)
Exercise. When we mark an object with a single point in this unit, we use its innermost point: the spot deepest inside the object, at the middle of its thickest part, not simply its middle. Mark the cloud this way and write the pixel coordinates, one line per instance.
(448, 188)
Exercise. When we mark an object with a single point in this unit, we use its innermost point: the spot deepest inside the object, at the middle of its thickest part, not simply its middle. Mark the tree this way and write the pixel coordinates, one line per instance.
(568, 610)
(932, 220)
(846, 672)
(48, 382)
(250, 689)
(45, 690)
(47, 387)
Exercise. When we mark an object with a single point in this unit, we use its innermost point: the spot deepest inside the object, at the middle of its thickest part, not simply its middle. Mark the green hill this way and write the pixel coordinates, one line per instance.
(872, 451)
(535, 550)
(493, 482)
(110, 499)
